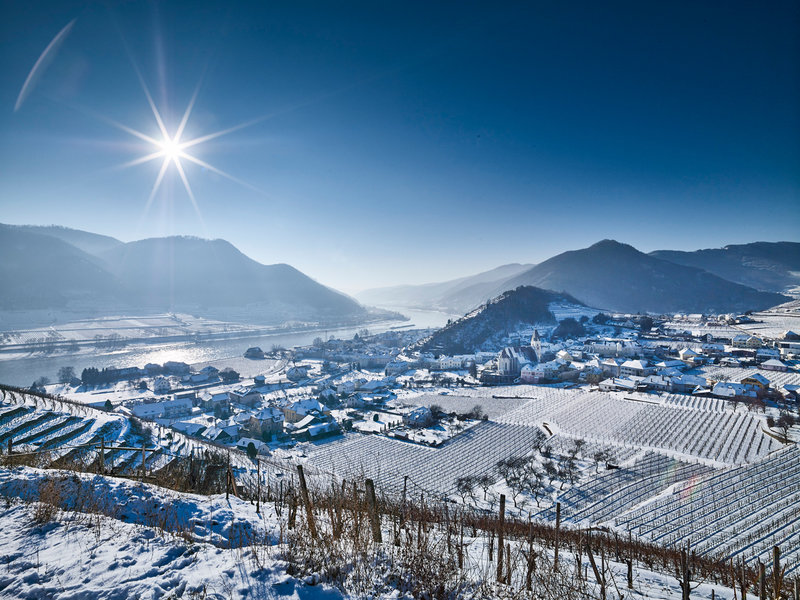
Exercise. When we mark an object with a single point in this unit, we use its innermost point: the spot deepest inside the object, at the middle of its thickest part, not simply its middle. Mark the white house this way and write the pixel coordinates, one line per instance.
(638, 368)
(161, 385)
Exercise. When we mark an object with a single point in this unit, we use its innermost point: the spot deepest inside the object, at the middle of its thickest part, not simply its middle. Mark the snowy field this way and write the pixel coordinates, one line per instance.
(460, 402)
(207, 547)
(717, 438)
(430, 470)
(773, 324)
(776, 378)
(741, 512)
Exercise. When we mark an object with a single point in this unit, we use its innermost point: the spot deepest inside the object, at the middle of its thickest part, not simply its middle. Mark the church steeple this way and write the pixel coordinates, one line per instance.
(536, 344)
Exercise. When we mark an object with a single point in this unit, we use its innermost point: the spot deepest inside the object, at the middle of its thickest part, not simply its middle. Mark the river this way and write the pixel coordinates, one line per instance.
(23, 371)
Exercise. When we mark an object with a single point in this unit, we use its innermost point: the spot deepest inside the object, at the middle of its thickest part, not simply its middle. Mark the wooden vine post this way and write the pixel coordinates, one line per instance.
(558, 527)
(500, 538)
(312, 527)
(258, 487)
(374, 517)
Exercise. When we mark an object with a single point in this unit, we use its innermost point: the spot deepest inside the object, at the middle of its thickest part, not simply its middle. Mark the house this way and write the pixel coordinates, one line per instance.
(397, 367)
(261, 447)
(730, 361)
(746, 341)
(268, 420)
(637, 368)
(189, 427)
(216, 399)
(729, 390)
(528, 373)
(161, 385)
(687, 383)
(774, 364)
(657, 382)
(564, 355)
(449, 363)
(313, 426)
(167, 409)
(612, 366)
(297, 373)
(176, 368)
(419, 417)
(210, 371)
(259, 380)
(246, 396)
(624, 384)
(670, 364)
(346, 387)
(688, 355)
(300, 409)
(219, 434)
(756, 380)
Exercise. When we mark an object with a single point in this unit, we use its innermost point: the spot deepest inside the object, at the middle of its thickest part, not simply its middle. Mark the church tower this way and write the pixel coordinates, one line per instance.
(536, 344)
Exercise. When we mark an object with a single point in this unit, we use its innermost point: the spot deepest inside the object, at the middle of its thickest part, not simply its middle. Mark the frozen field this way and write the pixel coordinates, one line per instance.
(718, 438)
(777, 378)
(740, 512)
(430, 470)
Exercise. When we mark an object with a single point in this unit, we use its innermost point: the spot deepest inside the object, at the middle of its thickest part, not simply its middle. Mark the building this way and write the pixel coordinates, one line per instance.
(246, 396)
(746, 341)
(161, 385)
(757, 381)
(167, 409)
(636, 368)
(774, 364)
(419, 417)
(300, 409)
(510, 360)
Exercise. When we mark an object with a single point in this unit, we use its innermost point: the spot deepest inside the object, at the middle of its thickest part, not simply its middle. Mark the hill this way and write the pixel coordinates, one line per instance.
(769, 266)
(615, 276)
(42, 271)
(484, 327)
(193, 273)
(91, 243)
(50, 268)
(459, 295)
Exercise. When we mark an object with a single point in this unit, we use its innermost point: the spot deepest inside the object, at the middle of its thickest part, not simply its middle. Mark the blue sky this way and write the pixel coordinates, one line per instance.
(405, 142)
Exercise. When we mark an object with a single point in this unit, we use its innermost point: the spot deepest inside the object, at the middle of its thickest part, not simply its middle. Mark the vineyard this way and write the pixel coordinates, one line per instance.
(610, 493)
(431, 470)
(740, 512)
(718, 437)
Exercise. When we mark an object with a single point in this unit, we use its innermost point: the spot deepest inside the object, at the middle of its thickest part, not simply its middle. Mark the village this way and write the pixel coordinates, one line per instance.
(380, 385)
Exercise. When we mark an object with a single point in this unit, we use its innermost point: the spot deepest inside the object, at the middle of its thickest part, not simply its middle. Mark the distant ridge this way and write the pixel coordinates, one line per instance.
(615, 276)
(769, 266)
(459, 295)
(52, 268)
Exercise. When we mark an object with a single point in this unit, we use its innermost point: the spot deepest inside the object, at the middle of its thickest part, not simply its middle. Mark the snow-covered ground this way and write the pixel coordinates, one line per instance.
(53, 550)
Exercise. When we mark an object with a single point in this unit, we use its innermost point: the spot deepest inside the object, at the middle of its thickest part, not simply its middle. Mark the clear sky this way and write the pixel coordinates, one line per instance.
(402, 142)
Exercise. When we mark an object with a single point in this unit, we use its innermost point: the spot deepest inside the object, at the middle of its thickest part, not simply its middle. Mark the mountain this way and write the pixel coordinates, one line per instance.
(42, 269)
(195, 273)
(618, 277)
(486, 326)
(459, 295)
(91, 243)
(769, 266)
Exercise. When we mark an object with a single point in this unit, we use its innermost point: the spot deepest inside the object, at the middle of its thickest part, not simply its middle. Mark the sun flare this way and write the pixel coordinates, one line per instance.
(171, 148)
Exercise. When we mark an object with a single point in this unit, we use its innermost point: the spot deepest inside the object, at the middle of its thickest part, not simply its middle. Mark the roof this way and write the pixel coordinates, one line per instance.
(757, 377)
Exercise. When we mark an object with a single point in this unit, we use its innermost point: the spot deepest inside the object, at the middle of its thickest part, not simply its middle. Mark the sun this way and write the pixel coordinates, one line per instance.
(171, 148)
